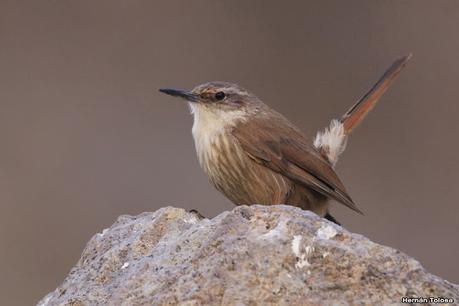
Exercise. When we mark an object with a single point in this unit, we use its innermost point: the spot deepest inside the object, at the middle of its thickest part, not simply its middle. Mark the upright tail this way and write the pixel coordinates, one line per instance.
(332, 141)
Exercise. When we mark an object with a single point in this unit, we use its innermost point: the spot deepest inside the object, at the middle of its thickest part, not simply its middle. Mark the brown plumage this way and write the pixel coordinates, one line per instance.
(274, 143)
(254, 155)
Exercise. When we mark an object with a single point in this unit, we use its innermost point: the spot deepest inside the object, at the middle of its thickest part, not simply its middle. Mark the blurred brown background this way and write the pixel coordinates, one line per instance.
(85, 135)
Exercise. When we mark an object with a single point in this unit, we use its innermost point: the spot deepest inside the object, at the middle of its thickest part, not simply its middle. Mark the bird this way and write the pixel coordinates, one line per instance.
(254, 155)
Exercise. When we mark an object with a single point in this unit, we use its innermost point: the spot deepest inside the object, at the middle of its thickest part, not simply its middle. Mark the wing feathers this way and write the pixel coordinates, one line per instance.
(301, 176)
(282, 148)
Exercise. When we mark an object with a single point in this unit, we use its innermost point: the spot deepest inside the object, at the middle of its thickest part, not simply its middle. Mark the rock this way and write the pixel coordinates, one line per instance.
(257, 255)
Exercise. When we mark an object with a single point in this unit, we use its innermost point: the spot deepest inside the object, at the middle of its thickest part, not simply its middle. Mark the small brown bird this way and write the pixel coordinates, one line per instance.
(254, 155)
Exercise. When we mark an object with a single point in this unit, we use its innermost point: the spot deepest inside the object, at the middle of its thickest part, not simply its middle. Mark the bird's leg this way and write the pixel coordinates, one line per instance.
(197, 214)
(331, 218)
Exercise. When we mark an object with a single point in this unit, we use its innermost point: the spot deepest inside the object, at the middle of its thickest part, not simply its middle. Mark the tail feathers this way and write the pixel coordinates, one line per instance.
(332, 141)
(360, 109)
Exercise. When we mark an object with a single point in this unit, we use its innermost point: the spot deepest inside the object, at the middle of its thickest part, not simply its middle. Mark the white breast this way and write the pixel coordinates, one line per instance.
(229, 169)
(209, 124)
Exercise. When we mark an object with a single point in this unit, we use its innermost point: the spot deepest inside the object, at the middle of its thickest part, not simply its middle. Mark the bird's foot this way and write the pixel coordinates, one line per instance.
(197, 214)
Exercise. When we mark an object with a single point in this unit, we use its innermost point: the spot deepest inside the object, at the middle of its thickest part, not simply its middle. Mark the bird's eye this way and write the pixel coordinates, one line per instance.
(220, 95)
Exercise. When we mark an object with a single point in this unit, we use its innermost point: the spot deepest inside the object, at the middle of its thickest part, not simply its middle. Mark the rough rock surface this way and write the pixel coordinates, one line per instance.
(258, 255)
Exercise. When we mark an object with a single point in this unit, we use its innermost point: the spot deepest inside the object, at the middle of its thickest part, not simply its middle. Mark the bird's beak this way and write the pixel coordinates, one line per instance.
(184, 94)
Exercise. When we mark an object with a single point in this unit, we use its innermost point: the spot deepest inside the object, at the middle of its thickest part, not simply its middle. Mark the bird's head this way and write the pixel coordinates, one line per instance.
(218, 99)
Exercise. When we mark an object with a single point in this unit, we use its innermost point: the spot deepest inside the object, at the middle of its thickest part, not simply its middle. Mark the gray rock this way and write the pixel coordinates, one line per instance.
(257, 255)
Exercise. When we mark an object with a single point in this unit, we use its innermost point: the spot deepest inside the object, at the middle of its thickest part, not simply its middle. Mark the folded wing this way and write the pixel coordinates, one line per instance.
(273, 142)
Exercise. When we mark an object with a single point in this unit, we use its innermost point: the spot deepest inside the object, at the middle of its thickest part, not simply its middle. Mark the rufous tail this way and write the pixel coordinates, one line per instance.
(332, 141)
(352, 118)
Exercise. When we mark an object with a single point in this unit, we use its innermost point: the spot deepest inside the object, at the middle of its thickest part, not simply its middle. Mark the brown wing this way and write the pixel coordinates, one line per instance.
(278, 145)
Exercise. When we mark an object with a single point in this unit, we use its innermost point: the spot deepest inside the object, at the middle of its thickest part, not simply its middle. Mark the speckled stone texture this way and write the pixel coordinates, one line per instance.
(257, 255)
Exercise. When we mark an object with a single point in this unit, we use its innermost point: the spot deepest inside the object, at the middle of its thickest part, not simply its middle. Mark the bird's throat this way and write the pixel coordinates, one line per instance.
(209, 124)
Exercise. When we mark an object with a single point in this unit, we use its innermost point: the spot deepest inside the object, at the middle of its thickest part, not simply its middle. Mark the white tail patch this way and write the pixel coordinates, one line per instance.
(332, 141)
